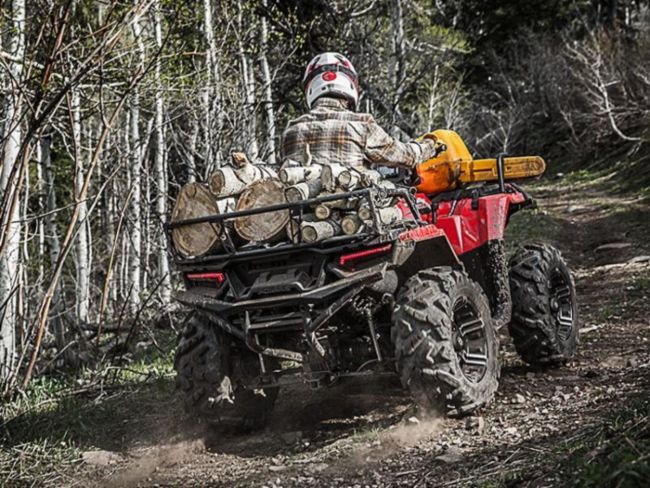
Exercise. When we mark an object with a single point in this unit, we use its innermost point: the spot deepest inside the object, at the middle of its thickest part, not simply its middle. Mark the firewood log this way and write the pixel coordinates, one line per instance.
(351, 224)
(291, 175)
(349, 179)
(228, 181)
(254, 172)
(342, 203)
(194, 200)
(320, 230)
(293, 227)
(322, 212)
(264, 227)
(303, 191)
(365, 213)
(330, 175)
(224, 182)
(358, 176)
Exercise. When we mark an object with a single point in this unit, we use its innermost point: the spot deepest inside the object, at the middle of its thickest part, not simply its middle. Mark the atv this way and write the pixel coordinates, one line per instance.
(423, 297)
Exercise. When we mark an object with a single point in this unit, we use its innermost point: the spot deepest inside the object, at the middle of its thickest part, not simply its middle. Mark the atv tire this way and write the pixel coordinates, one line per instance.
(544, 324)
(210, 373)
(446, 347)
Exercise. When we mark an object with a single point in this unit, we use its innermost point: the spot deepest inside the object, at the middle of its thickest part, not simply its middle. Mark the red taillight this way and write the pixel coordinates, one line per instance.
(347, 259)
(218, 277)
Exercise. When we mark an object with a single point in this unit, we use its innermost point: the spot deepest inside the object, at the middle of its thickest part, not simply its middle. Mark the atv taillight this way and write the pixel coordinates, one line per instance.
(219, 278)
(349, 259)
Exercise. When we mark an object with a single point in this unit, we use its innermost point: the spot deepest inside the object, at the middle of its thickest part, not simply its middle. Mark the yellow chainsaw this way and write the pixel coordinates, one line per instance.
(454, 166)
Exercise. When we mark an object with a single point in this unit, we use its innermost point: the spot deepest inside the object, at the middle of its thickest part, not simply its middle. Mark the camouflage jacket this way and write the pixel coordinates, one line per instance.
(338, 135)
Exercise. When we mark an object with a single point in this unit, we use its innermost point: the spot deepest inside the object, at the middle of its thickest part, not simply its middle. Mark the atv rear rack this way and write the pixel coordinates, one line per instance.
(296, 213)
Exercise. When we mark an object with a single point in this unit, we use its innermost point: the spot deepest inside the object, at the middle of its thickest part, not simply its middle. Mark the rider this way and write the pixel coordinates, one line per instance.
(332, 131)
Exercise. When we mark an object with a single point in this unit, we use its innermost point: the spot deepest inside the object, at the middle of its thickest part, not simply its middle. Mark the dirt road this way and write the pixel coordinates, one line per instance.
(542, 425)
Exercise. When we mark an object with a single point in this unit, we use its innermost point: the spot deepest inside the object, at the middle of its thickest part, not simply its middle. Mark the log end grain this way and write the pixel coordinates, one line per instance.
(194, 200)
(265, 227)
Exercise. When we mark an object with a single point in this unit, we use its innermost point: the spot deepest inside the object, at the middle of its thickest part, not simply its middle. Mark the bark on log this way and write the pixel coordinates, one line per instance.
(342, 203)
(254, 172)
(330, 175)
(358, 176)
(224, 182)
(304, 190)
(320, 230)
(227, 181)
(349, 179)
(293, 228)
(264, 227)
(291, 175)
(194, 200)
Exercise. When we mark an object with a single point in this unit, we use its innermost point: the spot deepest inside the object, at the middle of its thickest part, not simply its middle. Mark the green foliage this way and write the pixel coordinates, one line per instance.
(617, 454)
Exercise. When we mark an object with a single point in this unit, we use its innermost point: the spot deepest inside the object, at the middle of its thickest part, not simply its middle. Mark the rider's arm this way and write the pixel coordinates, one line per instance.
(385, 150)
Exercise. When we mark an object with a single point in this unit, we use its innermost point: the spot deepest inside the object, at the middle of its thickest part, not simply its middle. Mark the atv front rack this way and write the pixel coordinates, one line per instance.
(296, 213)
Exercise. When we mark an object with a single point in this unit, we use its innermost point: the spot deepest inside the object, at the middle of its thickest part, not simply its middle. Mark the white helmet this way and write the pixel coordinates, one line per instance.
(331, 74)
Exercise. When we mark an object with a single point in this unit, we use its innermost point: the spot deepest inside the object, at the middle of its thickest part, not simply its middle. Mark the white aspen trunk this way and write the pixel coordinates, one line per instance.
(248, 82)
(161, 174)
(41, 189)
(191, 163)
(207, 91)
(82, 260)
(135, 262)
(268, 91)
(52, 236)
(9, 260)
(145, 217)
(398, 63)
(111, 211)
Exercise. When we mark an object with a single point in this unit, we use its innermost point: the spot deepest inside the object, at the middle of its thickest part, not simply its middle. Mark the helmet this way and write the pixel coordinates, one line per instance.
(331, 74)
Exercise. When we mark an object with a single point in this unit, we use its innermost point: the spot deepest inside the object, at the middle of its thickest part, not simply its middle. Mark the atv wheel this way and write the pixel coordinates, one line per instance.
(210, 373)
(445, 344)
(544, 324)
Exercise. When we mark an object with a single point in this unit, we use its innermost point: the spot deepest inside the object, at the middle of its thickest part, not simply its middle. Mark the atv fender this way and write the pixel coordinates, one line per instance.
(422, 248)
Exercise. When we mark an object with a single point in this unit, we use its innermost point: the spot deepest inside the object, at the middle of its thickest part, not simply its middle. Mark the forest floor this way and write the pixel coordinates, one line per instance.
(578, 424)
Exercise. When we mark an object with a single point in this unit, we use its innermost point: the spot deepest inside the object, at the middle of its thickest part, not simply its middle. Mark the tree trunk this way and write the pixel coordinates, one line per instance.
(206, 93)
(82, 261)
(161, 174)
(52, 240)
(398, 65)
(248, 83)
(135, 264)
(268, 90)
(9, 260)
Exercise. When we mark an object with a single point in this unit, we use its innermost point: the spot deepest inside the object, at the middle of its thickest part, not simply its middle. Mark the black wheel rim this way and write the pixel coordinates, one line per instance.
(561, 303)
(470, 340)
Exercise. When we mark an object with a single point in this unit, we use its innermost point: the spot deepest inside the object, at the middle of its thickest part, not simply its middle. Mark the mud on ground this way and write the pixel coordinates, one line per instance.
(570, 425)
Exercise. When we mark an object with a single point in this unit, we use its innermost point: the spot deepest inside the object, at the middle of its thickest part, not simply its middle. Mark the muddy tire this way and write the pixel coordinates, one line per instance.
(210, 373)
(446, 348)
(544, 324)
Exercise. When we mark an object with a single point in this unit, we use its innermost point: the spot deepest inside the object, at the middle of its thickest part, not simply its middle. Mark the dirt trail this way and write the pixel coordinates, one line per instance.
(367, 434)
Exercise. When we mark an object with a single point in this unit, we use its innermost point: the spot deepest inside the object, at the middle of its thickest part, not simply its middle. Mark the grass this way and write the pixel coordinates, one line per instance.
(616, 454)
(45, 430)
(532, 225)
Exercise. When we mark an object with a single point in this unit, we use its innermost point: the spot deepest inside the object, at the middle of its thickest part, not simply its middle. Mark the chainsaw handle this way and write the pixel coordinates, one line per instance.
(440, 147)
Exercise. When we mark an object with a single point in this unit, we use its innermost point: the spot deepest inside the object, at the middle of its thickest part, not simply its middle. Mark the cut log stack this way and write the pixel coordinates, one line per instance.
(343, 216)
(245, 186)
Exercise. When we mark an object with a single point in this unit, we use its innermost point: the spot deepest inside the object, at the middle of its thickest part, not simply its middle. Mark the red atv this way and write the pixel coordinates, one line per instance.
(424, 297)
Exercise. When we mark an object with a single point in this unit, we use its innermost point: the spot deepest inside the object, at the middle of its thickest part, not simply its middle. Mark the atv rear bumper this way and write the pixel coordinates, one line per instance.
(347, 286)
